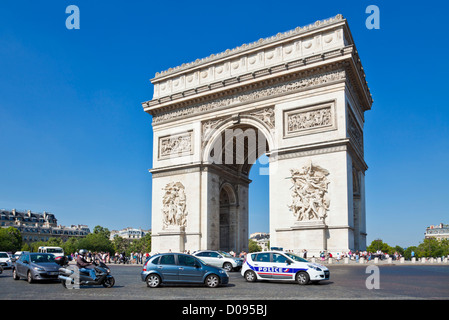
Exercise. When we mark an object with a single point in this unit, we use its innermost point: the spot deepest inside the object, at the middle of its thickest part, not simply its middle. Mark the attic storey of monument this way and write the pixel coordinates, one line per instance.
(299, 97)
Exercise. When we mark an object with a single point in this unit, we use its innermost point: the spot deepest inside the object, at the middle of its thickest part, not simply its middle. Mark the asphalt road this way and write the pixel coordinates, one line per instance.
(346, 282)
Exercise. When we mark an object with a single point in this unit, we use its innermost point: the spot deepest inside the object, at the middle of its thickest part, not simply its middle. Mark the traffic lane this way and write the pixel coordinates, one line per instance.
(129, 286)
(346, 282)
(408, 282)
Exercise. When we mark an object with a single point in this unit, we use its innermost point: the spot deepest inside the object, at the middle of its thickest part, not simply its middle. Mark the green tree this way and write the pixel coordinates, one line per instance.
(378, 244)
(98, 241)
(70, 246)
(103, 231)
(120, 244)
(430, 247)
(141, 245)
(253, 246)
(408, 252)
(399, 249)
(26, 247)
(10, 239)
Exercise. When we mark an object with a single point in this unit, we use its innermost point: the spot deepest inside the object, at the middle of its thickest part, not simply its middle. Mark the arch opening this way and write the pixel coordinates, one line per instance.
(237, 151)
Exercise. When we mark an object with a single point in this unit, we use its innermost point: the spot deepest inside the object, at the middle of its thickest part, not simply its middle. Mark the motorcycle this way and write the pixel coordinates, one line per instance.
(68, 275)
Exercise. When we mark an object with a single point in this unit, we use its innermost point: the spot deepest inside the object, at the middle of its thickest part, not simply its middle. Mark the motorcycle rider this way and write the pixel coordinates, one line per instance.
(82, 264)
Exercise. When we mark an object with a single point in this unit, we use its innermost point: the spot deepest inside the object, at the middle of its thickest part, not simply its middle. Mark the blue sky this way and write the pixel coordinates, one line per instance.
(75, 141)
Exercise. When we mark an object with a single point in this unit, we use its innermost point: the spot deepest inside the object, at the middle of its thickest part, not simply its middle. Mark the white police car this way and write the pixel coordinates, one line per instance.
(276, 265)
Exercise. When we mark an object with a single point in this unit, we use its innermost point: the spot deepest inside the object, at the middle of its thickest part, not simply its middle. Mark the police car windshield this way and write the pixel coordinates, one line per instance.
(295, 257)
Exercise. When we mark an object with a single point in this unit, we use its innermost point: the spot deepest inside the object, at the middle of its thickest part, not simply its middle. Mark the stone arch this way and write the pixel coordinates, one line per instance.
(263, 137)
(306, 99)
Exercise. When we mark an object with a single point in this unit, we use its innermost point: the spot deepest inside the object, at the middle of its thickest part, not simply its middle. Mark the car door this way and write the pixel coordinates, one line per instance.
(22, 265)
(262, 265)
(168, 268)
(281, 267)
(215, 259)
(190, 269)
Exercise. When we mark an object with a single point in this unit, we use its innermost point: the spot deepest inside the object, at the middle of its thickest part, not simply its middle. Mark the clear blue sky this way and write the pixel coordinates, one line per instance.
(75, 141)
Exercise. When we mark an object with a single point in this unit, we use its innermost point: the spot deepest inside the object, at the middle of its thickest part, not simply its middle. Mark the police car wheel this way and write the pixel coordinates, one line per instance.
(302, 278)
(250, 276)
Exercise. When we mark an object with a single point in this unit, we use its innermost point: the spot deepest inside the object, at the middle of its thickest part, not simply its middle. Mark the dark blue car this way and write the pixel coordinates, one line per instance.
(181, 268)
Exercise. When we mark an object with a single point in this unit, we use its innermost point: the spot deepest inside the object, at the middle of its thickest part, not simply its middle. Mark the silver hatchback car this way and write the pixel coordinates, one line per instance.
(36, 266)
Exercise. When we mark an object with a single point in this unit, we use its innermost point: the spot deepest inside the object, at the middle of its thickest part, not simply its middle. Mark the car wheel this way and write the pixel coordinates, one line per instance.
(302, 278)
(15, 275)
(153, 281)
(227, 266)
(29, 277)
(250, 276)
(212, 281)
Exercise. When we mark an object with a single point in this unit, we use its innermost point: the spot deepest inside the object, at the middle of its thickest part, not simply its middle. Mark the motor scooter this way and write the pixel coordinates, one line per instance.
(72, 276)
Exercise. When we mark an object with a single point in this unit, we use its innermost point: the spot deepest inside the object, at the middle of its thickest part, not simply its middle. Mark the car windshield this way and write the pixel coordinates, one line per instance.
(295, 257)
(227, 255)
(42, 257)
(3, 255)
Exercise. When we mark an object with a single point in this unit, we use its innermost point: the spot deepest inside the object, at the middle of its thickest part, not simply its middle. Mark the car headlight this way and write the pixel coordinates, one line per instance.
(223, 272)
(314, 267)
(39, 269)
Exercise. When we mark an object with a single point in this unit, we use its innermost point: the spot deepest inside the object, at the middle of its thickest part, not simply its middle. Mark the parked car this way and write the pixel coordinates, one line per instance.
(181, 268)
(276, 265)
(36, 266)
(5, 260)
(220, 259)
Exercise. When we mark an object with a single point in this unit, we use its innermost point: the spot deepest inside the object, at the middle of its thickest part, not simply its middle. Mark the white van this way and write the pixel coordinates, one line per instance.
(57, 251)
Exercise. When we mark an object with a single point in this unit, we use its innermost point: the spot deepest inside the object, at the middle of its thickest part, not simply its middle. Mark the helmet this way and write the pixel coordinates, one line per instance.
(83, 252)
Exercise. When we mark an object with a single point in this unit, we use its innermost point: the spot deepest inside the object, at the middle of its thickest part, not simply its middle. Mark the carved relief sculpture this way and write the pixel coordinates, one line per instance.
(174, 205)
(309, 195)
(310, 119)
(175, 145)
(355, 132)
(253, 95)
(266, 115)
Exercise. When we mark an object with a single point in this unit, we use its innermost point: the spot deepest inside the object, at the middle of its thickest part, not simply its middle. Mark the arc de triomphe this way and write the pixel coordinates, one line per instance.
(299, 97)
